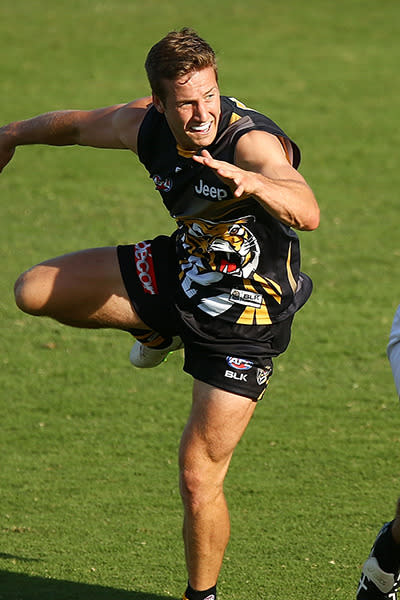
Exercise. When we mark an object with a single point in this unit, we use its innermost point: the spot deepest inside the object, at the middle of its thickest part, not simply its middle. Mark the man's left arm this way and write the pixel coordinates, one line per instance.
(262, 170)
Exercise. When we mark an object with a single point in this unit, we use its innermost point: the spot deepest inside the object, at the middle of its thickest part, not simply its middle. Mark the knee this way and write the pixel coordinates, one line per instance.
(31, 292)
(197, 489)
(192, 488)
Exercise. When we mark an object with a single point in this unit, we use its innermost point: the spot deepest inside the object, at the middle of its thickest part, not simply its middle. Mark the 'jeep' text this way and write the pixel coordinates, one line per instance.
(209, 191)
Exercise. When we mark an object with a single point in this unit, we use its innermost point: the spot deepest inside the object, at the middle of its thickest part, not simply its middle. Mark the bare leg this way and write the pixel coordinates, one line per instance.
(215, 426)
(81, 289)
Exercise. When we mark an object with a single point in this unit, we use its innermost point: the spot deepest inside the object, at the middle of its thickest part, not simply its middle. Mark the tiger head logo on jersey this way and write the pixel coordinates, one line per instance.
(225, 248)
(210, 251)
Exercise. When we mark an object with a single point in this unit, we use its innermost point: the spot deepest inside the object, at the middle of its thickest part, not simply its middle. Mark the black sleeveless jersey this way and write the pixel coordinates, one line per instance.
(236, 262)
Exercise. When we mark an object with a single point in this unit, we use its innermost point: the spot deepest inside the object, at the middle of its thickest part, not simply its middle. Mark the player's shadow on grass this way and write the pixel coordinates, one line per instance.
(17, 586)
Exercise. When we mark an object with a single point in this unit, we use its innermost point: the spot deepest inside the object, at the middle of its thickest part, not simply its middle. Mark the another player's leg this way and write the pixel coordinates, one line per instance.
(215, 426)
(380, 578)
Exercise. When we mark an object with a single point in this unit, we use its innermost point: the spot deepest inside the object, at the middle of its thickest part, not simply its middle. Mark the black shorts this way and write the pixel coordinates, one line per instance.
(220, 355)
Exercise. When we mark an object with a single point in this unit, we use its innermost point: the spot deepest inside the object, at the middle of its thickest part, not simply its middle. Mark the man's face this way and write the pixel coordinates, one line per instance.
(192, 108)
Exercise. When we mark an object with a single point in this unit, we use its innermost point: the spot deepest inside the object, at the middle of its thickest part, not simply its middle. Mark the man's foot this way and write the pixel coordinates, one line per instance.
(144, 357)
(376, 584)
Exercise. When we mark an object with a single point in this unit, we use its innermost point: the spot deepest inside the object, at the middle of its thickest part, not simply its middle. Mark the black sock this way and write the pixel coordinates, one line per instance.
(151, 338)
(191, 594)
(387, 551)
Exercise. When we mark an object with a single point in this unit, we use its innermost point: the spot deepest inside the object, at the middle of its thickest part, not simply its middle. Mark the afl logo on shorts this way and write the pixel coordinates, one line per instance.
(145, 267)
(162, 185)
(240, 364)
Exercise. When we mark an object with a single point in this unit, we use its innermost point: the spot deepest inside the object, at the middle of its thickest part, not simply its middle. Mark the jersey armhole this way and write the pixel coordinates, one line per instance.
(287, 148)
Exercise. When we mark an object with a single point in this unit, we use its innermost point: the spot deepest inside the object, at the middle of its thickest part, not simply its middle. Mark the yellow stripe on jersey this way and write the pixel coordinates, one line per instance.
(291, 279)
(262, 315)
(247, 316)
(239, 104)
(255, 316)
(234, 118)
(271, 287)
(252, 315)
(185, 153)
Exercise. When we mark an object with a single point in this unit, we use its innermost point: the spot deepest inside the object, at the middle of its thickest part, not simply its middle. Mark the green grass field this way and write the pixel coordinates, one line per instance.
(89, 506)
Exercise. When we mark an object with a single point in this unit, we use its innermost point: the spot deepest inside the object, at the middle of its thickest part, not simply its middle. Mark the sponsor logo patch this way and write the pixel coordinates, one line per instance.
(145, 267)
(162, 185)
(240, 364)
(245, 297)
(210, 191)
(236, 376)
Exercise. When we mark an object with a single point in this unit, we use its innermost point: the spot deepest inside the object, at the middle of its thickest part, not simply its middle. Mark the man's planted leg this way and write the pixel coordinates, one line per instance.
(215, 426)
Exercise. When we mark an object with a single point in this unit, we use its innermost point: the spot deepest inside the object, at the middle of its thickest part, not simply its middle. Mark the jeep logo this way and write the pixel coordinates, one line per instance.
(209, 191)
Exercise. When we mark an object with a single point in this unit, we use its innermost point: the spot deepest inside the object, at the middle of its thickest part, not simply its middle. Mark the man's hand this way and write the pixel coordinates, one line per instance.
(263, 171)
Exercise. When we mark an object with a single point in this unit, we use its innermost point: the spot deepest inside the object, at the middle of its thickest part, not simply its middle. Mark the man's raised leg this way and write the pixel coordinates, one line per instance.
(82, 289)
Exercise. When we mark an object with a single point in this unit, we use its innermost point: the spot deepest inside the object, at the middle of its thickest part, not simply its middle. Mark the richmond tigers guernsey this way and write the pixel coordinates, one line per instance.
(236, 263)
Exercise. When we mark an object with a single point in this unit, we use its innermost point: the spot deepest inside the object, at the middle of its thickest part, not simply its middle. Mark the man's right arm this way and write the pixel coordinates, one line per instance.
(111, 127)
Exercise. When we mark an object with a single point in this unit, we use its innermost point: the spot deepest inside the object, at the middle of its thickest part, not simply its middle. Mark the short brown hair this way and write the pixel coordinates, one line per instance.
(178, 53)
